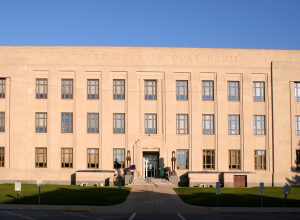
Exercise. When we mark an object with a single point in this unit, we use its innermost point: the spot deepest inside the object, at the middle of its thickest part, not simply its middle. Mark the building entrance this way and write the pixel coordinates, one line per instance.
(150, 164)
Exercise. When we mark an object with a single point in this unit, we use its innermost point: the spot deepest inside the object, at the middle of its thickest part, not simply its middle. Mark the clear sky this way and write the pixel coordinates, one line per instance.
(167, 23)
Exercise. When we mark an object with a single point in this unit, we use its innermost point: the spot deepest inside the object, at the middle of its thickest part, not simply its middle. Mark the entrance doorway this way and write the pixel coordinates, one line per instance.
(150, 164)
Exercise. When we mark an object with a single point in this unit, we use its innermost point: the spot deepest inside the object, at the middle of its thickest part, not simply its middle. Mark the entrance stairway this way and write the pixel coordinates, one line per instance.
(148, 181)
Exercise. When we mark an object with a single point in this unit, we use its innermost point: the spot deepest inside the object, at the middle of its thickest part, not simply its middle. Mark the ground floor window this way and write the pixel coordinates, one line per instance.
(182, 159)
(2, 156)
(298, 159)
(260, 159)
(67, 157)
(41, 157)
(209, 159)
(234, 159)
(93, 158)
(119, 158)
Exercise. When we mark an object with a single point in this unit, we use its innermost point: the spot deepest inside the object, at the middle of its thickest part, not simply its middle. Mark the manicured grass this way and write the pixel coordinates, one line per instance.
(63, 195)
(243, 197)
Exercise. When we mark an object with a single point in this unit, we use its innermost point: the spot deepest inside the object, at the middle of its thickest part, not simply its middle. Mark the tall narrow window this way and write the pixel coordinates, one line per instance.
(182, 124)
(93, 88)
(150, 123)
(208, 159)
(2, 88)
(234, 159)
(93, 158)
(41, 122)
(259, 91)
(297, 159)
(208, 123)
(207, 90)
(41, 157)
(181, 90)
(259, 124)
(119, 158)
(233, 90)
(66, 122)
(2, 121)
(234, 124)
(2, 157)
(119, 123)
(92, 122)
(150, 89)
(182, 159)
(119, 89)
(297, 125)
(297, 91)
(260, 159)
(67, 88)
(67, 157)
(41, 88)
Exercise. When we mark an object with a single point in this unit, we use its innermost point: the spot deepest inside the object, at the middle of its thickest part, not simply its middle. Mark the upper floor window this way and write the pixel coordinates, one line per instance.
(150, 123)
(93, 88)
(259, 91)
(66, 122)
(41, 88)
(297, 91)
(260, 159)
(2, 121)
(234, 124)
(2, 88)
(182, 124)
(182, 159)
(2, 156)
(181, 90)
(93, 122)
(150, 89)
(259, 124)
(93, 158)
(119, 123)
(67, 157)
(119, 158)
(119, 89)
(207, 90)
(67, 88)
(233, 90)
(41, 157)
(209, 160)
(298, 125)
(208, 123)
(41, 122)
(234, 159)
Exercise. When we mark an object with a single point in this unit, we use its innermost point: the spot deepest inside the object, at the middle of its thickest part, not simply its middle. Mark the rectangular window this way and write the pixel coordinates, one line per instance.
(41, 88)
(67, 88)
(41, 122)
(41, 157)
(2, 88)
(259, 124)
(297, 91)
(260, 159)
(93, 122)
(93, 158)
(181, 90)
(2, 157)
(182, 124)
(297, 159)
(234, 124)
(150, 123)
(208, 124)
(297, 125)
(207, 90)
(119, 158)
(233, 90)
(259, 91)
(66, 122)
(93, 88)
(2, 121)
(208, 159)
(182, 159)
(150, 89)
(119, 123)
(234, 159)
(67, 157)
(119, 89)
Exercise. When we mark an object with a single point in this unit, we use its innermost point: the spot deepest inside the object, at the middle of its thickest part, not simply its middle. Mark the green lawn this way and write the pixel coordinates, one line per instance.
(243, 197)
(63, 195)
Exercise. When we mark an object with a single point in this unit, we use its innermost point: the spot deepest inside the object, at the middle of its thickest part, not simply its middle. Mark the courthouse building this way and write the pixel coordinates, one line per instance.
(74, 114)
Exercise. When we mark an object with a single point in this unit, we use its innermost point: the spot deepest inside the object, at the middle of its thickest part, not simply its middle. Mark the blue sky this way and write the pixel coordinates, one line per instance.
(167, 23)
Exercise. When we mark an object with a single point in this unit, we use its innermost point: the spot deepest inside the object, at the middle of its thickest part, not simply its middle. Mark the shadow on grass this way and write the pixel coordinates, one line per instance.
(65, 196)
